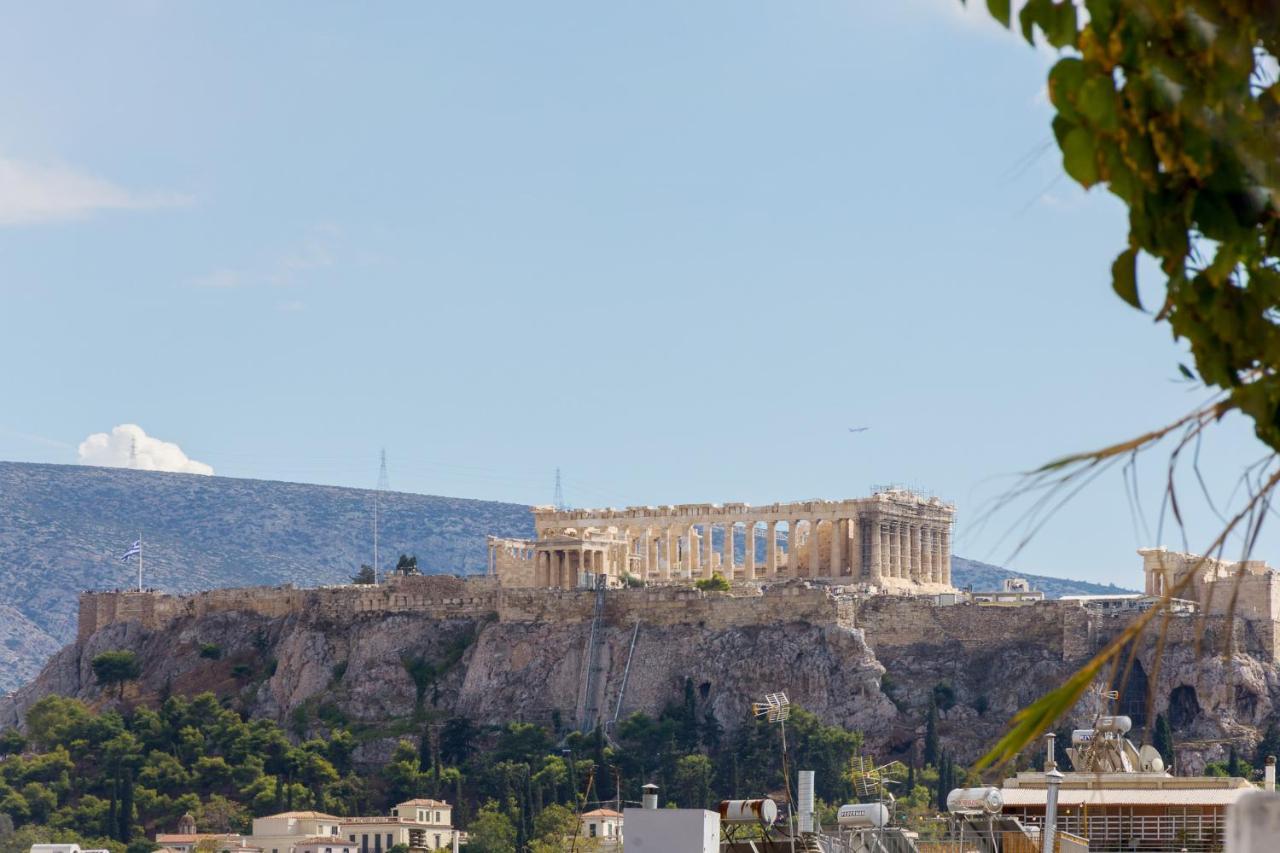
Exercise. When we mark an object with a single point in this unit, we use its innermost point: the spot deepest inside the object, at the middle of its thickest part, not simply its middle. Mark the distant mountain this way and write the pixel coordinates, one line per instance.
(972, 574)
(63, 528)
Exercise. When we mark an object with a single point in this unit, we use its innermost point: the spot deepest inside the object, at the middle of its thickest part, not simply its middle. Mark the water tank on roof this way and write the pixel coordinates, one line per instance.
(975, 801)
(748, 811)
(863, 815)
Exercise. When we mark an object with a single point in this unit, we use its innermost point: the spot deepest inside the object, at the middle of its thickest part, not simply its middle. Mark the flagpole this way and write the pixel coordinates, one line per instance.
(139, 562)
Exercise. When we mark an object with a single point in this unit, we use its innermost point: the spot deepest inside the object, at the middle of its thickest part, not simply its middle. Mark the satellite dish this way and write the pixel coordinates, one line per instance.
(1150, 760)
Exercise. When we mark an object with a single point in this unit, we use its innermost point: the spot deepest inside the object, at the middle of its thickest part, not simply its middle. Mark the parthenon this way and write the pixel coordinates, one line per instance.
(894, 538)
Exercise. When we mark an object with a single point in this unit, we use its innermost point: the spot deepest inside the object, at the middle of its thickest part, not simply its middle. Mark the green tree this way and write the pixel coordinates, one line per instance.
(550, 829)
(1162, 740)
(457, 740)
(54, 719)
(687, 732)
(403, 773)
(693, 781)
(931, 750)
(491, 831)
(12, 742)
(716, 583)
(115, 668)
(1233, 762)
(366, 576)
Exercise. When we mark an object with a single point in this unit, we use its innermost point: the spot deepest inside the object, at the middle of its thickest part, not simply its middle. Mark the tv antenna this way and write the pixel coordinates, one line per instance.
(559, 496)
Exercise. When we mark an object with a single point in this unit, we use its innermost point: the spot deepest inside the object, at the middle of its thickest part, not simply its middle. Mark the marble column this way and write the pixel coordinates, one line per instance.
(946, 555)
(874, 536)
(672, 552)
(837, 549)
(917, 564)
(645, 563)
(726, 549)
(771, 549)
(708, 550)
(815, 561)
(749, 549)
(793, 548)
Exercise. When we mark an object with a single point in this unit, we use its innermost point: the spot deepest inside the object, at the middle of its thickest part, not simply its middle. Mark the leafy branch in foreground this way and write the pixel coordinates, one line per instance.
(1175, 108)
(1038, 717)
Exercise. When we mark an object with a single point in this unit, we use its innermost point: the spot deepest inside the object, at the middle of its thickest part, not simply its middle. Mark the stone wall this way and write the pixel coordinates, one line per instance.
(889, 622)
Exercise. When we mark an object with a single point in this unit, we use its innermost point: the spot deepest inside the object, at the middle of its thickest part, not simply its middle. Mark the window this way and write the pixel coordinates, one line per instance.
(328, 850)
(353, 839)
(437, 817)
(437, 841)
(593, 830)
(389, 845)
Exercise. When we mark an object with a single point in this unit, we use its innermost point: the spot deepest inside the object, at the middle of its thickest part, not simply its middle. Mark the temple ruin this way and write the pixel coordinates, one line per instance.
(893, 539)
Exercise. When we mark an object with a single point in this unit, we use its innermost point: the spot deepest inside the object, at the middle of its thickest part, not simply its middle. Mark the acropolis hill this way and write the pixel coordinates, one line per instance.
(859, 627)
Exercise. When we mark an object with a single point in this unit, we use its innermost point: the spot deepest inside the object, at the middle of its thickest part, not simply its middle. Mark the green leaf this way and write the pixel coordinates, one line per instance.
(999, 10)
(1065, 79)
(1077, 157)
(1062, 26)
(1096, 100)
(1035, 13)
(1102, 15)
(1124, 277)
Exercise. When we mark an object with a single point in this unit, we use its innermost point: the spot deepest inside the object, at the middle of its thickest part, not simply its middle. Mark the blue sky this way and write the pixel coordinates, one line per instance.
(676, 249)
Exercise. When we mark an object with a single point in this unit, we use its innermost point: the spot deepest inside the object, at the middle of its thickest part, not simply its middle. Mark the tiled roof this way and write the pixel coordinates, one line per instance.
(602, 813)
(331, 840)
(312, 815)
(432, 803)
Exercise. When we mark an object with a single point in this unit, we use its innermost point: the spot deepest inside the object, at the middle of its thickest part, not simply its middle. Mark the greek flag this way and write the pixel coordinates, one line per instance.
(134, 550)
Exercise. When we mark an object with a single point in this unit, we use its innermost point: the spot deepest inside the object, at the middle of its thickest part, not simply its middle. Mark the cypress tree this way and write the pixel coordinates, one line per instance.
(911, 777)
(688, 733)
(931, 735)
(125, 812)
(1233, 762)
(1162, 740)
(113, 822)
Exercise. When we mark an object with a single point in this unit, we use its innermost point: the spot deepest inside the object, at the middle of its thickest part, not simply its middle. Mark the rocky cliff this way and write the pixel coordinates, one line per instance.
(63, 527)
(869, 664)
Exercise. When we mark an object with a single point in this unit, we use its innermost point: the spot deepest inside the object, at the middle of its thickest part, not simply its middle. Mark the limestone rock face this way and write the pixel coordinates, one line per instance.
(364, 669)
(310, 671)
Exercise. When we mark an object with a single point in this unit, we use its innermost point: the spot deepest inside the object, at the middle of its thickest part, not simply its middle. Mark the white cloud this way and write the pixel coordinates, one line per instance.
(32, 193)
(127, 446)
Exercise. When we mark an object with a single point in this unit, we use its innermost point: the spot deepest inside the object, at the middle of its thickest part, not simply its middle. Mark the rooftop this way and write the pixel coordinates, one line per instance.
(602, 813)
(302, 815)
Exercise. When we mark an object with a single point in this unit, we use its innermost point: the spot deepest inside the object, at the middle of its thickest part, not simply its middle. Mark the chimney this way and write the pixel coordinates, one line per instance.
(1269, 775)
(1050, 762)
(650, 798)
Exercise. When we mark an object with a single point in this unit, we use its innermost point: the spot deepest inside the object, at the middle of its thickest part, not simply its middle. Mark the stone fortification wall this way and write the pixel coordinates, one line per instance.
(440, 596)
(893, 622)
(890, 622)
(445, 597)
